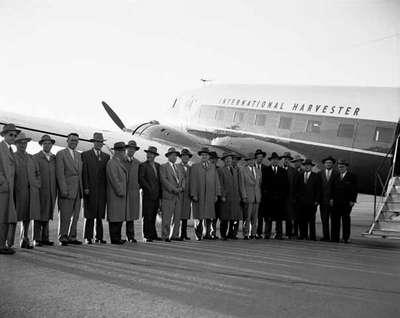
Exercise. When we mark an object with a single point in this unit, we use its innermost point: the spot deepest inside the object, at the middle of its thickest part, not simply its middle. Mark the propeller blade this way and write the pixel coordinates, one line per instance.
(115, 118)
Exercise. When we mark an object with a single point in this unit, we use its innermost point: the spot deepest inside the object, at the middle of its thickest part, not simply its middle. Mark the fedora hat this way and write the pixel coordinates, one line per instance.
(204, 150)
(97, 137)
(132, 144)
(260, 152)
(308, 162)
(236, 156)
(343, 162)
(274, 155)
(287, 154)
(152, 150)
(9, 127)
(120, 145)
(22, 137)
(185, 152)
(227, 154)
(297, 158)
(329, 158)
(171, 151)
(213, 154)
(46, 138)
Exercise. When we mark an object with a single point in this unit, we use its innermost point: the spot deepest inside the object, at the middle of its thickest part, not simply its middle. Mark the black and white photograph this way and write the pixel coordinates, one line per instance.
(187, 158)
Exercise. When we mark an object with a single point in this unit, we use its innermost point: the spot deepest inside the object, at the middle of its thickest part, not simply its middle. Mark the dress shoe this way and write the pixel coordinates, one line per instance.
(157, 238)
(101, 241)
(26, 245)
(37, 243)
(132, 241)
(246, 238)
(266, 237)
(74, 242)
(215, 237)
(167, 240)
(48, 243)
(346, 241)
(176, 239)
(89, 242)
(257, 237)
(118, 242)
(224, 238)
(7, 251)
(198, 238)
(324, 239)
(185, 238)
(147, 240)
(64, 243)
(207, 237)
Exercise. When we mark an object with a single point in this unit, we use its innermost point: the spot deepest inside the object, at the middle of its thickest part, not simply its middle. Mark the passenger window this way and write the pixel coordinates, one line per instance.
(314, 126)
(285, 123)
(219, 115)
(260, 120)
(383, 134)
(238, 117)
(346, 130)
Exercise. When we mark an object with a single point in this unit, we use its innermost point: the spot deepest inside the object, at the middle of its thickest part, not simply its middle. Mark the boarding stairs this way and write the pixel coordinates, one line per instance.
(386, 222)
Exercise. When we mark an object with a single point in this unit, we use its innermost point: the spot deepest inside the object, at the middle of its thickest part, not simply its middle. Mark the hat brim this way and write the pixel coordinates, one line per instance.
(295, 160)
(185, 154)
(2, 133)
(326, 159)
(136, 147)
(42, 141)
(200, 152)
(309, 164)
(23, 140)
(343, 163)
(289, 157)
(264, 154)
(153, 152)
(270, 158)
(171, 152)
(98, 140)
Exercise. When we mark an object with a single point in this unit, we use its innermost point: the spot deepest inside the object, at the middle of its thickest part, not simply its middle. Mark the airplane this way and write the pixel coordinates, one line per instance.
(358, 124)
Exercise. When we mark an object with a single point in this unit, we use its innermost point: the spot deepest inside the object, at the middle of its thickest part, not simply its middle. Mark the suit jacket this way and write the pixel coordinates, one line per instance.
(326, 185)
(94, 179)
(117, 180)
(186, 208)
(308, 193)
(170, 184)
(48, 185)
(133, 190)
(275, 186)
(344, 190)
(250, 185)
(69, 174)
(230, 190)
(8, 214)
(149, 181)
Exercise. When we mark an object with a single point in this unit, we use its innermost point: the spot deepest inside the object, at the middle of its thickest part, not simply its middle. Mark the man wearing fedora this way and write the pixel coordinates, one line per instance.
(186, 202)
(343, 197)
(250, 179)
(48, 191)
(274, 187)
(69, 180)
(27, 185)
(234, 224)
(230, 210)
(290, 203)
(133, 199)
(172, 186)
(259, 165)
(94, 163)
(204, 190)
(149, 180)
(308, 197)
(117, 181)
(8, 214)
(297, 162)
(213, 223)
(327, 175)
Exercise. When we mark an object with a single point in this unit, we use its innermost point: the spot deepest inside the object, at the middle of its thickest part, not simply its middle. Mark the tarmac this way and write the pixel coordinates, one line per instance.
(256, 278)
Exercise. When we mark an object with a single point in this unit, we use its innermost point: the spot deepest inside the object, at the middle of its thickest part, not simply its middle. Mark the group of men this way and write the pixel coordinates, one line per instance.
(287, 191)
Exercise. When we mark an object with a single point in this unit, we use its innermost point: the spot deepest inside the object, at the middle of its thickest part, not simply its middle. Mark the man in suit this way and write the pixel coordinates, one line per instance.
(172, 185)
(234, 224)
(259, 165)
(149, 180)
(327, 175)
(186, 207)
(343, 197)
(117, 181)
(250, 179)
(214, 158)
(27, 185)
(297, 162)
(48, 191)
(290, 206)
(230, 210)
(204, 191)
(308, 195)
(69, 180)
(94, 163)
(133, 195)
(8, 214)
(274, 187)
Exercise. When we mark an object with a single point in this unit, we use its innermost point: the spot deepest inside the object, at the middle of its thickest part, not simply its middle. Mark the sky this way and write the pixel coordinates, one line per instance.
(60, 59)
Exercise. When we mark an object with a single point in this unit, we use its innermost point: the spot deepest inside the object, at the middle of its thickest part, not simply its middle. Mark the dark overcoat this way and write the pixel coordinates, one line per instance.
(94, 179)
(8, 214)
(133, 199)
(117, 181)
(290, 203)
(344, 191)
(307, 195)
(230, 190)
(186, 208)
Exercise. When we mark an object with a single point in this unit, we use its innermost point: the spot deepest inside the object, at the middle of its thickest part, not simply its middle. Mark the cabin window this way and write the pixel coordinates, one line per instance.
(219, 115)
(383, 134)
(285, 123)
(314, 126)
(238, 117)
(346, 130)
(260, 119)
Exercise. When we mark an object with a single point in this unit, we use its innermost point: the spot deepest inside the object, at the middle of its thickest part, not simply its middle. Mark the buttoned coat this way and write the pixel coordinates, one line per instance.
(170, 183)
(8, 214)
(27, 186)
(48, 185)
(94, 179)
(307, 194)
(117, 181)
(344, 191)
(150, 181)
(186, 209)
(250, 185)
(230, 190)
(290, 204)
(205, 187)
(326, 185)
(69, 174)
(133, 190)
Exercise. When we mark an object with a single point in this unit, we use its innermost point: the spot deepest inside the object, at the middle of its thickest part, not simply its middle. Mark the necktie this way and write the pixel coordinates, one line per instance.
(328, 174)
(98, 155)
(231, 170)
(275, 170)
(305, 177)
(254, 172)
(175, 174)
(11, 150)
(155, 169)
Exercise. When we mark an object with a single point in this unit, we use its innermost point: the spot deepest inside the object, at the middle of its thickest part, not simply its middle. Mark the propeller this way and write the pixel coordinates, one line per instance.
(115, 118)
